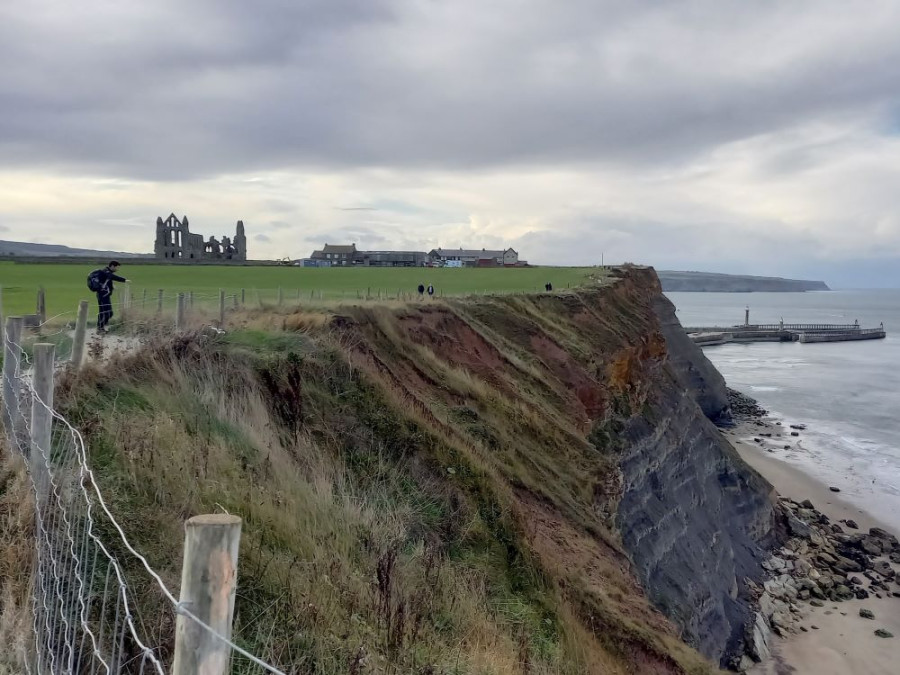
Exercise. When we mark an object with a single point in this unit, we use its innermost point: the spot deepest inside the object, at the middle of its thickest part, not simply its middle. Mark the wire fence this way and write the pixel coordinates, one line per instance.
(144, 300)
(85, 615)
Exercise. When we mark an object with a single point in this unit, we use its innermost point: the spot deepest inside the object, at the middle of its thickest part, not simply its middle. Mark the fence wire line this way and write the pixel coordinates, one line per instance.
(74, 624)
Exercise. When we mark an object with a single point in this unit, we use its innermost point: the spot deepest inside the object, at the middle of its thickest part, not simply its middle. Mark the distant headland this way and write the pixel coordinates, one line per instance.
(708, 282)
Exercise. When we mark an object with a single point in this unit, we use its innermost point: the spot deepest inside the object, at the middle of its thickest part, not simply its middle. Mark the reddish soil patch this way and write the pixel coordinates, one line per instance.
(587, 565)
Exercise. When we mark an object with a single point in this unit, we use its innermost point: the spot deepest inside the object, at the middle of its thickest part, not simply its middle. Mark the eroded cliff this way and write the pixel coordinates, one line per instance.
(500, 484)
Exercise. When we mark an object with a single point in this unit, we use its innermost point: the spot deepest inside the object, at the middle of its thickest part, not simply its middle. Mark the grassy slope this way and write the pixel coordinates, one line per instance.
(65, 283)
(418, 488)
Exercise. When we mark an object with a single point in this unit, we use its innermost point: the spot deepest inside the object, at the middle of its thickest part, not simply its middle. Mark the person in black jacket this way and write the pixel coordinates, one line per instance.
(107, 276)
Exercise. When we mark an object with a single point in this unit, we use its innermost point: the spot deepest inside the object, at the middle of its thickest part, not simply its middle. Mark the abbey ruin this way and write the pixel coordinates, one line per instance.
(174, 241)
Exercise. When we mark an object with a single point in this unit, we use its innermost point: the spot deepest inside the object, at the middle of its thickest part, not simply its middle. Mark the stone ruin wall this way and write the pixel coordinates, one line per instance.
(175, 241)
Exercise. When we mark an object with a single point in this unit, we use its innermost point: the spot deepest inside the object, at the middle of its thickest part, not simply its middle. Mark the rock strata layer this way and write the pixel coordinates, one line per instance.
(694, 518)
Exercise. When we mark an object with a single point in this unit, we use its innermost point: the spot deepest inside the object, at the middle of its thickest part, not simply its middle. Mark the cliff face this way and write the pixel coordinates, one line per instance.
(500, 484)
(694, 371)
(613, 371)
(692, 514)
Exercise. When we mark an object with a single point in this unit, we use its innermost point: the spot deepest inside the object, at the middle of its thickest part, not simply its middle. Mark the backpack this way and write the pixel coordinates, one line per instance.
(95, 281)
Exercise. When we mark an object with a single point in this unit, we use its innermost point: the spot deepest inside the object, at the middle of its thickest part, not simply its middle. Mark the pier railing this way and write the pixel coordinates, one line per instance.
(792, 327)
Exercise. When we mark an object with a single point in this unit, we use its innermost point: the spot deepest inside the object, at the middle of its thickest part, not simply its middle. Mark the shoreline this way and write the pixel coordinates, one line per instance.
(790, 480)
(832, 638)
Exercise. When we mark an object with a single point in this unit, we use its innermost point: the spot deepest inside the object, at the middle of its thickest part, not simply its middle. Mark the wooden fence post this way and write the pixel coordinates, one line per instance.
(12, 355)
(280, 296)
(80, 334)
(126, 302)
(235, 301)
(221, 308)
(41, 309)
(41, 418)
(159, 301)
(179, 312)
(144, 300)
(208, 585)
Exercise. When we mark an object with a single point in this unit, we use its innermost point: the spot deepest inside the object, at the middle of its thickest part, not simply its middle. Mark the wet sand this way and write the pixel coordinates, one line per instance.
(842, 641)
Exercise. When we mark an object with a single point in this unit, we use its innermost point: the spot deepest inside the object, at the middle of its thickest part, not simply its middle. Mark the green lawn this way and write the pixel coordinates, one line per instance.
(65, 283)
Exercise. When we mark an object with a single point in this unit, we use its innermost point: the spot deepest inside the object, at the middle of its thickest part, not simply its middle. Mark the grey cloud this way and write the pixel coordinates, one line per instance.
(673, 244)
(262, 238)
(363, 237)
(172, 90)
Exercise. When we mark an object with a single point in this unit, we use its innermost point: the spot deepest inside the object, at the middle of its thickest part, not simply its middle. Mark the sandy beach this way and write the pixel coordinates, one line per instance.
(837, 640)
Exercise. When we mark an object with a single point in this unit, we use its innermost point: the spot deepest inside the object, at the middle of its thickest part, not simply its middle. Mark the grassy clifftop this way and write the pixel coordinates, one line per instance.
(425, 489)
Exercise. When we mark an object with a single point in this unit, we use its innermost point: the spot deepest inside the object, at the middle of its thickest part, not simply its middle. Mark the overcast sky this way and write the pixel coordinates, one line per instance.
(757, 137)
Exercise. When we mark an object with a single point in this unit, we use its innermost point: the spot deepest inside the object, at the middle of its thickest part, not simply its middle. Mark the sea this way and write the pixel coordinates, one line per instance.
(846, 393)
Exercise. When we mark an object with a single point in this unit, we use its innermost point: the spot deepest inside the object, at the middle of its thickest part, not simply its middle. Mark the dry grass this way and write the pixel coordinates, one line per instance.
(16, 560)
(346, 556)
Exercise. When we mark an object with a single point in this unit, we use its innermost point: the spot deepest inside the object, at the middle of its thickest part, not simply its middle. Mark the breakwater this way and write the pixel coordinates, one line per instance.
(707, 336)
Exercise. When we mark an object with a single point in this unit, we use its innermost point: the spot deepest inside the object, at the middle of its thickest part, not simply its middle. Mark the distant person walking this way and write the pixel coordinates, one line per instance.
(101, 282)
(421, 289)
(430, 290)
(548, 287)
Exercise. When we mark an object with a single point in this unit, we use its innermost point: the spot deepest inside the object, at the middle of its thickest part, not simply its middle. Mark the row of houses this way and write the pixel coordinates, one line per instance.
(342, 255)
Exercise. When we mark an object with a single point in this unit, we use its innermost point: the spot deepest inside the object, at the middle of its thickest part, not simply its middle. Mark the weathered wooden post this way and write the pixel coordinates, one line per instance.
(41, 309)
(179, 312)
(208, 585)
(191, 299)
(12, 354)
(126, 302)
(221, 308)
(41, 418)
(280, 296)
(80, 334)
(144, 300)
(235, 300)
(243, 295)
(159, 301)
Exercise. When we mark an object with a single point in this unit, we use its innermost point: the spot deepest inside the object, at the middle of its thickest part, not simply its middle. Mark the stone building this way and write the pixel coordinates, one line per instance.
(346, 255)
(175, 241)
(452, 257)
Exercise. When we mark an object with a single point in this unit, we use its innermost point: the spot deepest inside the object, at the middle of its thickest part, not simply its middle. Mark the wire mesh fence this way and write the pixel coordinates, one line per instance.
(85, 615)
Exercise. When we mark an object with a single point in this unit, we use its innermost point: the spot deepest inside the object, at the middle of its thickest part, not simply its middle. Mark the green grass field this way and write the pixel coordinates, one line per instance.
(65, 283)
